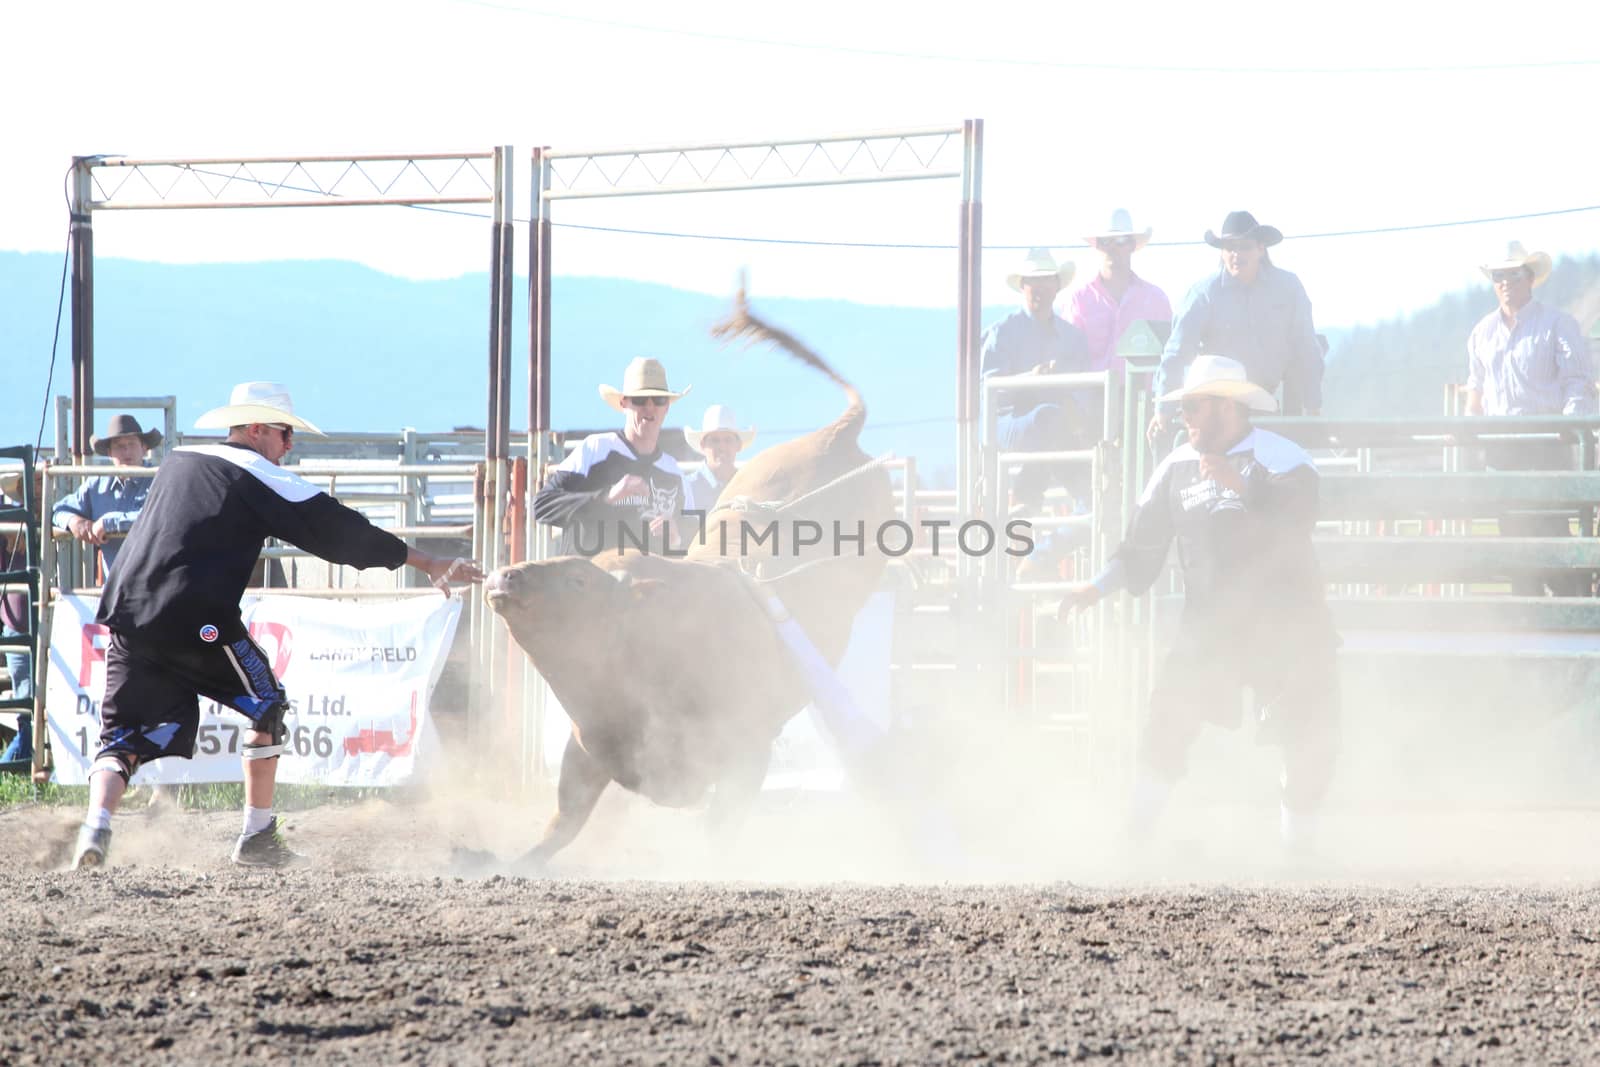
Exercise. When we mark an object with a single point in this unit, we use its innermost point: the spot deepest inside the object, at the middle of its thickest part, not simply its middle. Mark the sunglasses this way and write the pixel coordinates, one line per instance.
(1499, 276)
(287, 431)
(646, 401)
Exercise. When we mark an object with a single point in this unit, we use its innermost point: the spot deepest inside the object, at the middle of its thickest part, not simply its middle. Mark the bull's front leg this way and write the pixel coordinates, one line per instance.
(736, 790)
(577, 791)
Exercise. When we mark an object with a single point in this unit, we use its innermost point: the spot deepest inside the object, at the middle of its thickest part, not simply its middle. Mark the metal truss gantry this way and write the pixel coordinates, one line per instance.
(115, 183)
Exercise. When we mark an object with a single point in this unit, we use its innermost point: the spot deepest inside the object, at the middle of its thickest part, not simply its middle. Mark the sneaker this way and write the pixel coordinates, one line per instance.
(91, 848)
(265, 848)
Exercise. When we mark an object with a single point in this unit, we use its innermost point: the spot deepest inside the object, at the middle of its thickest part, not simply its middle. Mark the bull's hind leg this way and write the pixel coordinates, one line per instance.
(578, 790)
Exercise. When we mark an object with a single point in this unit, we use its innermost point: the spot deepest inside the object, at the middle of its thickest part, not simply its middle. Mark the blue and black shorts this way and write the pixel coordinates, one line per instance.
(152, 708)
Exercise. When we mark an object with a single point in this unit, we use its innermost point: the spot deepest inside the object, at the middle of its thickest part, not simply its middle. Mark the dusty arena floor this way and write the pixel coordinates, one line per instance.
(638, 948)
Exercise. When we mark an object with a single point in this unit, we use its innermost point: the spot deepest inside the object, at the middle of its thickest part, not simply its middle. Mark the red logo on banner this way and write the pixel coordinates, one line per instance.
(375, 741)
(96, 636)
(277, 641)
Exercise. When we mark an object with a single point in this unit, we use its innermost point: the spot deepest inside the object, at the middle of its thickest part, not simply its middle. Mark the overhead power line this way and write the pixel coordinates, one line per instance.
(1007, 61)
(932, 247)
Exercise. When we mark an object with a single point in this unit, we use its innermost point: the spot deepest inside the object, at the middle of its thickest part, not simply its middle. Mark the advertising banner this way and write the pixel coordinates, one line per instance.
(358, 675)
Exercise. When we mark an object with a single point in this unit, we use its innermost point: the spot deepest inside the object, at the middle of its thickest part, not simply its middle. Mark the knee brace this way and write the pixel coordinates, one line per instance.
(271, 722)
(124, 764)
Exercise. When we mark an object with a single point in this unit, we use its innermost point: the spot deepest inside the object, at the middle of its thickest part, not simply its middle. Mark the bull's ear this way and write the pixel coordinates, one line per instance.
(644, 588)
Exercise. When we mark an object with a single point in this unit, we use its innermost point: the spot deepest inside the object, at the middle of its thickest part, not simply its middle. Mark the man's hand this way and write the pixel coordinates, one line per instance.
(1158, 425)
(1048, 367)
(1221, 470)
(632, 485)
(1078, 595)
(91, 533)
(441, 572)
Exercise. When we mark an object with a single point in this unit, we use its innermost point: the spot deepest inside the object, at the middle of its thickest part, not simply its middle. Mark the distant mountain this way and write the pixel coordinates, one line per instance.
(1401, 366)
(366, 351)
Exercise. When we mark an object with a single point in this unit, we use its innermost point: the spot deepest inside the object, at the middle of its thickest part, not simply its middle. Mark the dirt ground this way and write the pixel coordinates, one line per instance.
(645, 945)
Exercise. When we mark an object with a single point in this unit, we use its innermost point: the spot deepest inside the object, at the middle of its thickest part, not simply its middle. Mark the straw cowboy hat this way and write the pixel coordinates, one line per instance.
(718, 419)
(266, 402)
(124, 426)
(1121, 226)
(1040, 264)
(1242, 226)
(644, 377)
(1517, 256)
(1221, 376)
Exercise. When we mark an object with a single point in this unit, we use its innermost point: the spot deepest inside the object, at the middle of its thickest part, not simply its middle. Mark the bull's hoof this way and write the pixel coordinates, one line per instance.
(473, 862)
(531, 864)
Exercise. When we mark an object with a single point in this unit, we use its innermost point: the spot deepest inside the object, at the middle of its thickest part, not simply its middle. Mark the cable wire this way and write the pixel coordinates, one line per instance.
(918, 247)
(55, 338)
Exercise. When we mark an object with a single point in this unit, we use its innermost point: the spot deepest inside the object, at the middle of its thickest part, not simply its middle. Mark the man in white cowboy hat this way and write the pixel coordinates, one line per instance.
(1241, 504)
(1526, 358)
(107, 505)
(1252, 311)
(1036, 340)
(1115, 298)
(719, 439)
(172, 606)
(619, 489)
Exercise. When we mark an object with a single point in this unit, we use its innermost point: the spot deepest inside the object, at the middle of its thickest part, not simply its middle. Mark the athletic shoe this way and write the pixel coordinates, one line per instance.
(92, 846)
(265, 848)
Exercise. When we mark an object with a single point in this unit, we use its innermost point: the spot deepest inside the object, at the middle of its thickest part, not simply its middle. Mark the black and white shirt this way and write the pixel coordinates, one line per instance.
(1247, 559)
(574, 496)
(188, 559)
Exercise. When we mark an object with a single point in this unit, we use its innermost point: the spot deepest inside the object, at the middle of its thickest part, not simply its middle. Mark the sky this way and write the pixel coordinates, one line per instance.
(1316, 117)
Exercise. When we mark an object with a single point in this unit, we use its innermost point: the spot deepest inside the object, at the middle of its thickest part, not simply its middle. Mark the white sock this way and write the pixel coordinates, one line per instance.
(99, 818)
(256, 819)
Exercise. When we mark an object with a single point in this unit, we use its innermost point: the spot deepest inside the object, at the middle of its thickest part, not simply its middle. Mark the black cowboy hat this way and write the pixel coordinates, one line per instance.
(124, 426)
(1240, 226)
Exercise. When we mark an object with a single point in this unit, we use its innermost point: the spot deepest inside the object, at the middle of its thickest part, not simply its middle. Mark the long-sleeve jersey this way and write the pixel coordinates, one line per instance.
(574, 496)
(1247, 559)
(188, 559)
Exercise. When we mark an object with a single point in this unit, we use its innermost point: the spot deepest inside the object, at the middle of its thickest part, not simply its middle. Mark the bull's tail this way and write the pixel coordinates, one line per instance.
(743, 324)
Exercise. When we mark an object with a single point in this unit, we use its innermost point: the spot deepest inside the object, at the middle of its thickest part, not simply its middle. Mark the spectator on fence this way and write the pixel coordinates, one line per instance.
(172, 606)
(1036, 340)
(14, 621)
(720, 440)
(1115, 297)
(1525, 358)
(107, 505)
(619, 489)
(1252, 311)
(1241, 504)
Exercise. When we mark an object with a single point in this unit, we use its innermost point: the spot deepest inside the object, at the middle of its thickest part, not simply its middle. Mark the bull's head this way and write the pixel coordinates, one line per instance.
(546, 603)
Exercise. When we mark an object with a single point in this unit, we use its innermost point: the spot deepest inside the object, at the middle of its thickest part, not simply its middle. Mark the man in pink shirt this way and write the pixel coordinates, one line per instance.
(1115, 297)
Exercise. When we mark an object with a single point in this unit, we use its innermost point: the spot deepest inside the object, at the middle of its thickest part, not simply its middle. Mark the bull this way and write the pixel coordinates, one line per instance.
(625, 641)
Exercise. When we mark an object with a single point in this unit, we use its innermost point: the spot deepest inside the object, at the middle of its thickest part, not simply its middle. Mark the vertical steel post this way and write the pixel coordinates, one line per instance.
(81, 243)
(491, 437)
(968, 313)
(539, 318)
(505, 199)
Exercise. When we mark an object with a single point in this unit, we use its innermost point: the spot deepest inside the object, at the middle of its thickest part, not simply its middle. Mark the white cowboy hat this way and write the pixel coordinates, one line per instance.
(1221, 376)
(718, 419)
(1041, 264)
(644, 377)
(1121, 226)
(255, 402)
(1517, 256)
